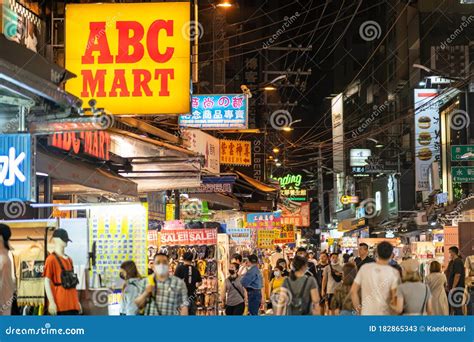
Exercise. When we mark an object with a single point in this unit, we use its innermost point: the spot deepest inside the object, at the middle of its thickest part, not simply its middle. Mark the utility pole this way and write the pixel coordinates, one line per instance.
(322, 219)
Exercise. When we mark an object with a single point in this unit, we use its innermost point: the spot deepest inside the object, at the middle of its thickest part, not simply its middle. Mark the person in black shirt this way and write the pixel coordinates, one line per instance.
(363, 257)
(456, 281)
(192, 279)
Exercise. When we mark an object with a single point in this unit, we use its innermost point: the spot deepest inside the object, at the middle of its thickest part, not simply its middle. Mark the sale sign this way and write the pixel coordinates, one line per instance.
(188, 237)
(131, 58)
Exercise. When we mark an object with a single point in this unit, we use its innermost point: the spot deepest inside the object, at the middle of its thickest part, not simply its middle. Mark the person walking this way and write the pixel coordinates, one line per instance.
(276, 256)
(164, 295)
(323, 262)
(192, 278)
(332, 277)
(133, 283)
(277, 280)
(341, 304)
(7, 283)
(252, 281)
(437, 282)
(233, 298)
(375, 286)
(413, 297)
(456, 281)
(363, 257)
(300, 295)
(311, 269)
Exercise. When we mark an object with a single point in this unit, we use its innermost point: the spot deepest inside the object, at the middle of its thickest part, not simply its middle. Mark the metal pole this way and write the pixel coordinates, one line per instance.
(322, 219)
(23, 111)
(176, 205)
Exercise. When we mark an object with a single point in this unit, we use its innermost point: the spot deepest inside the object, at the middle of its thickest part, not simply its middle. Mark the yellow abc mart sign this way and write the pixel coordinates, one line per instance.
(132, 58)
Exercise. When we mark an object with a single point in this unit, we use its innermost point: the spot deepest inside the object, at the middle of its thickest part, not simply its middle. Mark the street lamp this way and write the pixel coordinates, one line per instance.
(289, 128)
(225, 4)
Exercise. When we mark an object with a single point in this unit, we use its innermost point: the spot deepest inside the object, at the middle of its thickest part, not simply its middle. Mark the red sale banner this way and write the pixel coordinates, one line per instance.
(188, 237)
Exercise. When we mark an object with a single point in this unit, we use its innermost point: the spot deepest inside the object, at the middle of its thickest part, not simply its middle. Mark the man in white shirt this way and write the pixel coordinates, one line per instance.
(377, 283)
(277, 255)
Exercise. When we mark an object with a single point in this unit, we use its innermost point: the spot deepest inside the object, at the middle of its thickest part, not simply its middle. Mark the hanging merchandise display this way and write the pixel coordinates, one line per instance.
(202, 244)
(117, 233)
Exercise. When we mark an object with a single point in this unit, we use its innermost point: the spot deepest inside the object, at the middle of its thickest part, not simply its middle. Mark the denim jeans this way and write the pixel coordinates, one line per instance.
(254, 300)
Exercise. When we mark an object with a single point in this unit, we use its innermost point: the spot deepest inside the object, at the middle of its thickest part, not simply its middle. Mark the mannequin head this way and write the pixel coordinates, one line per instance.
(60, 239)
(5, 234)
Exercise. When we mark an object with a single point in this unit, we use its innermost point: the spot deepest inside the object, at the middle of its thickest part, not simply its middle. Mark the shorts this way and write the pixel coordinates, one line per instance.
(330, 296)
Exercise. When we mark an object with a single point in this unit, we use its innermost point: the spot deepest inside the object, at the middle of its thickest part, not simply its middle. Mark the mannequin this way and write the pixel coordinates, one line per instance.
(7, 283)
(61, 301)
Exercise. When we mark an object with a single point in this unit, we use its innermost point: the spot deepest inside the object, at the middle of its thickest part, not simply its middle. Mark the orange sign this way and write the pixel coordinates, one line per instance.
(236, 152)
(131, 58)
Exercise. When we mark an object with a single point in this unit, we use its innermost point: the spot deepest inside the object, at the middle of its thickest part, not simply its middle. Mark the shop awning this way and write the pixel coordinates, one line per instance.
(255, 183)
(219, 199)
(25, 73)
(71, 171)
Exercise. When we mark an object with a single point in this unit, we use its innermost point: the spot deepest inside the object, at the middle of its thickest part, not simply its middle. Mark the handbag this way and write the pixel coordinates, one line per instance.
(69, 279)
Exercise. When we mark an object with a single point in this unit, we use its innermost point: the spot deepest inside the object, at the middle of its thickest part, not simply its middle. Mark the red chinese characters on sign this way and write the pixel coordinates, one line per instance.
(188, 237)
(299, 218)
(236, 152)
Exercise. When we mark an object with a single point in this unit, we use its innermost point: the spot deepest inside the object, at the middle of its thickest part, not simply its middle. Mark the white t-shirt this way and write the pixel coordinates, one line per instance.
(376, 282)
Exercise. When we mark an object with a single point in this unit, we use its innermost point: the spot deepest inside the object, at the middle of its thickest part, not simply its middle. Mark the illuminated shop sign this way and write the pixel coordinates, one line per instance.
(94, 144)
(132, 58)
(17, 180)
(226, 111)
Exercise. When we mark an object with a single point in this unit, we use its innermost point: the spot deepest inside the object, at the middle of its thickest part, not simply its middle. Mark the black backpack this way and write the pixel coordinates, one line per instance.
(296, 304)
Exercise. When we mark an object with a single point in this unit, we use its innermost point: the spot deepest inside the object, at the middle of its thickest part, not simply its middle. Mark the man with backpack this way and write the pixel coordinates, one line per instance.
(299, 295)
(192, 279)
(332, 276)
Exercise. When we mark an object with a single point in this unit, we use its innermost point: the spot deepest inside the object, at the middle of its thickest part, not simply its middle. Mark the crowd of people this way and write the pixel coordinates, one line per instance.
(304, 285)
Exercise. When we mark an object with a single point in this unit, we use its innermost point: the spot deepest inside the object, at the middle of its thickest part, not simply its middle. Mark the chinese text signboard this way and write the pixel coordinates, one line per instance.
(462, 152)
(299, 218)
(240, 235)
(290, 185)
(427, 136)
(17, 176)
(206, 145)
(215, 188)
(264, 220)
(131, 58)
(285, 235)
(216, 112)
(188, 237)
(463, 174)
(236, 152)
(265, 238)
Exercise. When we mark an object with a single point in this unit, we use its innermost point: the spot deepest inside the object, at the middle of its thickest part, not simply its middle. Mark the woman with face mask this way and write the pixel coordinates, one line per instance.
(131, 288)
(234, 297)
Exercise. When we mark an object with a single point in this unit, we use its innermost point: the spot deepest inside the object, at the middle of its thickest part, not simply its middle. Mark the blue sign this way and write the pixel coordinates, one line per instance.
(228, 111)
(239, 235)
(17, 182)
(258, 217)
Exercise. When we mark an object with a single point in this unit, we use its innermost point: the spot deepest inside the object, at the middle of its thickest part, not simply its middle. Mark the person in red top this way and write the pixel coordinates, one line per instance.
(61, 301)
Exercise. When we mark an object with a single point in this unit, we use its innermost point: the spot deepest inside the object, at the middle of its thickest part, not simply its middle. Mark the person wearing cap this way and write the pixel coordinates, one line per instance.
(7, 283)
(192, 278)
(252, 281)
(413, 297)
(61, 301)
